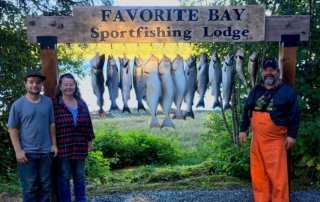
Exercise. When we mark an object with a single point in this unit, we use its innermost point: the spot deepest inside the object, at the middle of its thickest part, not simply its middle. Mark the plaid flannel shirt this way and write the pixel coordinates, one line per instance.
(72, 140)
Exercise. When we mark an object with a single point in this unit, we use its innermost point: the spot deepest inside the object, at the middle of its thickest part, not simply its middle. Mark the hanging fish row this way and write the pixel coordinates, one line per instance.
(165, 82)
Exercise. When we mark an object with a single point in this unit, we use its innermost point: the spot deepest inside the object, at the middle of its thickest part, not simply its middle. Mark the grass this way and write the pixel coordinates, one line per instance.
(165, 178)
(186, 131)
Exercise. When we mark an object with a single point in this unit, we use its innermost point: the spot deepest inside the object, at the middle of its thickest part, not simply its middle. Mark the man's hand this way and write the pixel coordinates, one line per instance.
(242, 137)
(54, 150)
(21, 157)
(289, 142)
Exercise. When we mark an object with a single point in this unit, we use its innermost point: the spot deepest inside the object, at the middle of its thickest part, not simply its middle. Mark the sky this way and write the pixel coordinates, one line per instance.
(146, 3)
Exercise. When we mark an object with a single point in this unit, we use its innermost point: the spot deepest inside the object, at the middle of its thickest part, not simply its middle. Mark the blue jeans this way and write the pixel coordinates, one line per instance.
(35, 177)
(66, 169)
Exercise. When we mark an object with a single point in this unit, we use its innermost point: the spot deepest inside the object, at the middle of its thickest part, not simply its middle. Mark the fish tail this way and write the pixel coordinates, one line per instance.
(178, 115)
(167, 123)
(216, 104)
(101, 113)
(114, 106)
(126, 109)
(226, 106)
(189, 114)
(141, 106)
(200, 103)
(154, 122)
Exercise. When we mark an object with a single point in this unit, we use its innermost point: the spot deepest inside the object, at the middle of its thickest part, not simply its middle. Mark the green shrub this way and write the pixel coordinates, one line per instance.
(96, 165)
(10, 183)
(135, 147)
(217, 145)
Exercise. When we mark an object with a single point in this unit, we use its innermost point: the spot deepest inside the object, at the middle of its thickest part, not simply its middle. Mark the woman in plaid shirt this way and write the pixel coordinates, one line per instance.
(74, 137)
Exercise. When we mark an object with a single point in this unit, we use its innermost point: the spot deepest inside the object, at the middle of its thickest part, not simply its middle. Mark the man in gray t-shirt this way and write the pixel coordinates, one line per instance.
(32, 132)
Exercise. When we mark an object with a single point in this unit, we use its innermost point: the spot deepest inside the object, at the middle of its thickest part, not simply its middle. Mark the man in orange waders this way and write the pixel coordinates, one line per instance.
(273, 112)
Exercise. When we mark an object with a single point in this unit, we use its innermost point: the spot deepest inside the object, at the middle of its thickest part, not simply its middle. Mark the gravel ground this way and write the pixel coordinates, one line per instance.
(223, 195)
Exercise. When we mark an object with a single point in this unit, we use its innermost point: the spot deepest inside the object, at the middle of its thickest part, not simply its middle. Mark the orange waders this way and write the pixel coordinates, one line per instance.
(268, 159)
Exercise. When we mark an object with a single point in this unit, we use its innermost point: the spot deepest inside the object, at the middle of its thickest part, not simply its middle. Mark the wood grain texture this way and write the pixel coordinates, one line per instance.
(77, 28)
(291, 24)
(49, 67)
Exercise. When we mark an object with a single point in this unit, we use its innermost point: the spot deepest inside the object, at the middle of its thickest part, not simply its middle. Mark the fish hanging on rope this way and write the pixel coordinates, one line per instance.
(180, 85)
(215, 79)
(253, 67)
(240, 68)
(153, 88)
(125, 82)
(97, 80)
(227, 81)
(202, 78)
(167, 91)
(191, 76)
(139, 83)
(112, 82)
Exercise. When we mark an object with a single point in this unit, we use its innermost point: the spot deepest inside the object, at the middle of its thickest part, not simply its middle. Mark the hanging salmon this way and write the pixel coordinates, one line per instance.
(167, 91)
(97, 80)
(125, 82)
(191, 76)
(112, 82)
(240, 69)
(139, 83)
(202, 78)
(180, 85)
(227, 81)
(215, 79)
(153, 88)
(253, 67)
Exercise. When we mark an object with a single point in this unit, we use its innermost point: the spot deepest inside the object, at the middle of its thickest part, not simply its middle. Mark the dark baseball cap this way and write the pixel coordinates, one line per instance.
(34, 73)
(270, 62)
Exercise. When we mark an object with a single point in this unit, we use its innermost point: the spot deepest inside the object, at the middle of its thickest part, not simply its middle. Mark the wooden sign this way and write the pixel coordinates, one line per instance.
(153, 24)
(169, 24)
(70, 29)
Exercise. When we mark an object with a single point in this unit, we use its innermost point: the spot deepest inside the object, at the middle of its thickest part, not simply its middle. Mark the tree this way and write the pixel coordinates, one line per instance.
(306, 154)
(17, 56)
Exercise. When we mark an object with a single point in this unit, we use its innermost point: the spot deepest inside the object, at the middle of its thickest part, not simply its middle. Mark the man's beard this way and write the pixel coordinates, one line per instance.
(34, 93)
(269, 81)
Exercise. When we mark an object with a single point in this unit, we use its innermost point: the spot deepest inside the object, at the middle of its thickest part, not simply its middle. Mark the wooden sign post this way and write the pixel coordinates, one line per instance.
(287, 58)
(49, 63)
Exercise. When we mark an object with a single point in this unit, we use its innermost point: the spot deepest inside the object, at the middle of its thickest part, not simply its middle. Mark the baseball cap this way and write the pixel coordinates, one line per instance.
(270, 62)
(34, 73)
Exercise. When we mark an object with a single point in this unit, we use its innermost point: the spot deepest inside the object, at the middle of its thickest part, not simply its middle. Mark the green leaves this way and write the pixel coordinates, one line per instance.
(135, 147)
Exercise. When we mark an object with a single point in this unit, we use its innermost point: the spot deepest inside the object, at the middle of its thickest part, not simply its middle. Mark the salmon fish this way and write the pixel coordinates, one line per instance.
(253, 67)
(180, 85)
(112, 82)
(191, 76)
(153, 88)
(97, 80)
(167, 89)
(139, 83)
(202, 78)
(125, 82)
(240, 69)
(227, 81)
(215, 79)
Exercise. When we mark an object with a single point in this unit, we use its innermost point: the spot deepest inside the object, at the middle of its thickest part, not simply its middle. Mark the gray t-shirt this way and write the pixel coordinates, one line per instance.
(33, 120)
